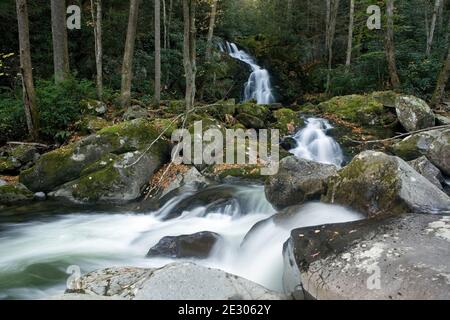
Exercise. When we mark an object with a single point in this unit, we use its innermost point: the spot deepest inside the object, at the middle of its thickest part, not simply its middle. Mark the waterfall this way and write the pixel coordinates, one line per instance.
(258, 86)
(314, 144)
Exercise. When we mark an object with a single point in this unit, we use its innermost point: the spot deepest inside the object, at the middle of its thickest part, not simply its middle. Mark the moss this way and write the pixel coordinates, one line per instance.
(407, 149)
(7, 164)
(176, 106)
(163, 124)
(100, 164)
(90, 124)
(251, 121)
(287, 120)
(253, 109)
(11, 193)
(360, 109)
(252, 172)
(386, 98)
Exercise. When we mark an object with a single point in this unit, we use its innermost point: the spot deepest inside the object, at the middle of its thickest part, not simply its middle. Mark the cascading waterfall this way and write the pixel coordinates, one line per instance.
(258, 86)
(314, 144)
(35, 255)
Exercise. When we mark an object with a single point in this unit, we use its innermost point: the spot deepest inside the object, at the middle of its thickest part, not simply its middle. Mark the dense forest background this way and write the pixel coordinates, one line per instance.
(288, 37)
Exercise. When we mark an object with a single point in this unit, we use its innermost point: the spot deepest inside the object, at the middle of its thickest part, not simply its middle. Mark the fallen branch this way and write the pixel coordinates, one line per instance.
(403, 135)
(34, 144)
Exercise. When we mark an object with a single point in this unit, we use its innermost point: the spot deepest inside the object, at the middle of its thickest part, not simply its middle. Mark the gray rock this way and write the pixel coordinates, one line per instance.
(94, 107)
(135, 112)
(40, 196)
(442, 120)
(182, 281)
(250, 121)
(398, 258)
(434, 144)
(191, 177)
(198, 245)
(2, 182)
(297, 181)
(414, 113)
(377, 184)
(14, 194)
(423, 166)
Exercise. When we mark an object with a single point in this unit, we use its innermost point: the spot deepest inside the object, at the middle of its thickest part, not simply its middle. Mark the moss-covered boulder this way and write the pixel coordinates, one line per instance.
(377, 184)
(14, 193)
(434, 144)
(256, 110)
(8, 164)
(93, 107)
(66, 164)
(251, 121)
(135, 112)
(414, 113)
(91, 124)
(166, 126)
(359, 109)
(287, 120)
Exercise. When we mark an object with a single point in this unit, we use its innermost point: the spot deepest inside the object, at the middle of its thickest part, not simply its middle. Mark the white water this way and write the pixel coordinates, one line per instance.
(35, 255)
(258, 86)
(314, 143)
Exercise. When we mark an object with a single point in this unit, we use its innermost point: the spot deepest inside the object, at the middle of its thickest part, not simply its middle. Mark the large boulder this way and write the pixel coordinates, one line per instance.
(14, 194)
(135, 112)
(298, 180)
(183, 281)
(113, 164)
(287, 121)
(434, 144)
(414, 113)
(423, 166)
(198, 245)
(377, 184)
(398, 258)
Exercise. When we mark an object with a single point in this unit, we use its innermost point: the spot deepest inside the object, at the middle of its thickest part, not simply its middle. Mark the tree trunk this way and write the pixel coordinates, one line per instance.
(157, 52)
(350, 34)
(164, 23)
(430, 34)
(390, 47)
(169, 22)
(189, 51)
(212, 22)
(439, 93)
(97, 20)
(127, 65)
(59, 35)
(26, 70)
(332, 11)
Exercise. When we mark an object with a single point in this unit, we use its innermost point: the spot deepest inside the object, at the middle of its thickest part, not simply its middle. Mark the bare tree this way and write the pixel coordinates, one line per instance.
(26, 70)
(157, 52)
(212, 22)
(439, 93)
(350, 33)
(389, 44)
(431, 29)
(59, 35)
(189, 51)
(332, 11)
(127, 65)
(96, 10)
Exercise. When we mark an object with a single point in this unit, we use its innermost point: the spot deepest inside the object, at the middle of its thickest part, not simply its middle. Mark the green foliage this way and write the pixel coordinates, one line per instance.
(12, 123)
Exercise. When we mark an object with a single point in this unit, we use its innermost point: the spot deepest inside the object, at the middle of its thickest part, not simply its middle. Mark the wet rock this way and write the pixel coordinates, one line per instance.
(135, 112)
(297, 181)
(423, 166)
(377, 184)
(398, 258)
(180, 281)
(191, 178)
(287, 121)
(24, 153)
(414, 113)
(288, 143)
(434, 144)
(40, 196)
(198, 245)
(14, 193)
(250, 121)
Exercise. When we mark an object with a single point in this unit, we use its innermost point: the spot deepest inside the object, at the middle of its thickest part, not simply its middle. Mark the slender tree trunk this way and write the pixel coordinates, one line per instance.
(189, 51)
(439, 93)
(96, 10)
(212, 22)
(169, 22)
(350, 34)
(60, 45)
(26, 70)
(332, 11)
(157, 52)
(430, 34)
(127, 65)
(165, 23)
(390, 47)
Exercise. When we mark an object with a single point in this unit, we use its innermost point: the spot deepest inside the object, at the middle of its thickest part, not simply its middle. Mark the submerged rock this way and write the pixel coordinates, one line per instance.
(298, 180)
(110, 165)
(377, 184)
(414, 113)
(180, 281)
(198, 245)
(434, 144)
(423, 166)
(398, 258)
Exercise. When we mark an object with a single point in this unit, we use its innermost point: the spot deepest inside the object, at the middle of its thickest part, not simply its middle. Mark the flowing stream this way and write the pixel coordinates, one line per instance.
(258, 86)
